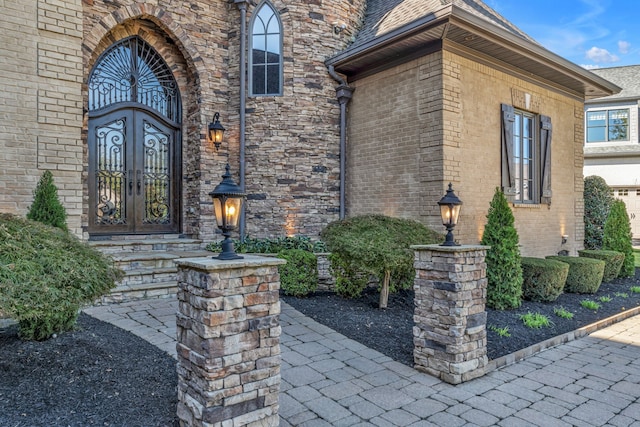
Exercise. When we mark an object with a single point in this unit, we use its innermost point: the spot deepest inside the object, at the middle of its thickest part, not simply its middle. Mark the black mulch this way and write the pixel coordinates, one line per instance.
(97, 375)
(390, 331)
(100, 375)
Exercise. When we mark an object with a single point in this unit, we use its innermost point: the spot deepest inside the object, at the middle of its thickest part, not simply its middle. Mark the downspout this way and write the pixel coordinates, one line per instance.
(242, 6)
(344, 94)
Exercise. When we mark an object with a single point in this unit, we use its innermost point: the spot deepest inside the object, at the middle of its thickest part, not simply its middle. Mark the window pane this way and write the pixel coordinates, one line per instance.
(595, 134)
(273, 44)
(273, 26)
(618, 125)
(273, 79)
(258, 80)
(596, 118)
(258, 57)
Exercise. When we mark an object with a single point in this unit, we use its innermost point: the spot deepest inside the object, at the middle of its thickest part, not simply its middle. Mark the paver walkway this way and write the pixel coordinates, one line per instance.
(330, 380)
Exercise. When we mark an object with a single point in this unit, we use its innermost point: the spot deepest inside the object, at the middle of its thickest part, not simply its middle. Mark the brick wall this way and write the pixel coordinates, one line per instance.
(440, 118)
(41, 74)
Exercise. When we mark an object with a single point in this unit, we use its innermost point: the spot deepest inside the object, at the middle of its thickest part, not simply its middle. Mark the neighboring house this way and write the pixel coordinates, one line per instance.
(612, 140)
(348, 107)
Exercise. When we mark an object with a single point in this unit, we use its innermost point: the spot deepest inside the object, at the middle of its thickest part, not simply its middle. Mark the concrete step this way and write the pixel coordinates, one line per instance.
(150, 260)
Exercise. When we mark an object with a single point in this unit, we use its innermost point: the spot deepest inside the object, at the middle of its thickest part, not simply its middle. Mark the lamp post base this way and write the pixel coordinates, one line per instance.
(228, 252)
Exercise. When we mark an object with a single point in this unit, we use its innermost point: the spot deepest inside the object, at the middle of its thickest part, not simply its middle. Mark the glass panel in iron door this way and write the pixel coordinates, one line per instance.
(110, 209)
(156, 204)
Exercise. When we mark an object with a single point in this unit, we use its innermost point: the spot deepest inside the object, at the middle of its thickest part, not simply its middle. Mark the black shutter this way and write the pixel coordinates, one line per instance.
(545, 159)
(508, 171)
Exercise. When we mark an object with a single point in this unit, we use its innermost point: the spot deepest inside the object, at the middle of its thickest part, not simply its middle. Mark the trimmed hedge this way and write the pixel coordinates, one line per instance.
(585, 274)
(613, 261)
(299, 276)
(543, 279)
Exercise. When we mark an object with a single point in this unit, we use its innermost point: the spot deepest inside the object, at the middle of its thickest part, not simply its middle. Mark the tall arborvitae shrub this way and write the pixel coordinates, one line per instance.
(597, 203)
(617, 236)
(46, 207)
(504, 269)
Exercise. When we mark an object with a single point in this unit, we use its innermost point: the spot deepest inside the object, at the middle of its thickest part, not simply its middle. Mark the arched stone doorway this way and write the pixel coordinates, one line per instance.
(134, 142)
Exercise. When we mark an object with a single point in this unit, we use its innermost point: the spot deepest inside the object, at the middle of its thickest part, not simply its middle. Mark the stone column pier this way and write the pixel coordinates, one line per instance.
(228, 342)
(449, 335)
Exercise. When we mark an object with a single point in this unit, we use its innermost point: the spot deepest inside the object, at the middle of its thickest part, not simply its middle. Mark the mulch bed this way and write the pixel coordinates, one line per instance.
(390, 331)
(97, 375)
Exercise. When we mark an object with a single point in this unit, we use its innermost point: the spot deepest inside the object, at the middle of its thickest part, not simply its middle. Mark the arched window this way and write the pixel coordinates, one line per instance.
(265, 61)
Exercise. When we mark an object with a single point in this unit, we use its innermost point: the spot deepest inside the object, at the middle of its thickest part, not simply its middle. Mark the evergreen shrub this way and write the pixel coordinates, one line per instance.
(613, 261)
(374, 245)
(617, 237)
(543, 279)
(46, 275)
(299, 276)
(272, 245)
(585, 274)
(504, 268)
(598, 199)
(46, 207)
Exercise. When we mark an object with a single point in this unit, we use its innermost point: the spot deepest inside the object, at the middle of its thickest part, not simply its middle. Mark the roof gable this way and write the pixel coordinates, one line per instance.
(627, 77)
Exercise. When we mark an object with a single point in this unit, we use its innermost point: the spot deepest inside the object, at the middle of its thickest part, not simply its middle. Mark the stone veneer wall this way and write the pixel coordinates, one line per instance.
(40, 103)
(292, 141)
(443, 125)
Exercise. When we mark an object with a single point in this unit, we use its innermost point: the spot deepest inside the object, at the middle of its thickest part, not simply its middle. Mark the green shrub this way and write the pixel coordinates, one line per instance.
(46, 207)
(613, 261)
(46, 275)
(617, 237)
(299, 276)
(598, 199)
(504, 269)
(585, 274)
(272, 245)
(374, 245)
(543, 279)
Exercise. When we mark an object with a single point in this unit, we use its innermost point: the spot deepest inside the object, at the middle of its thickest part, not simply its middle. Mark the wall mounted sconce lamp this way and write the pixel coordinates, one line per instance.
(450, 212)
(215, 133)
(227, 203)
(564, 238)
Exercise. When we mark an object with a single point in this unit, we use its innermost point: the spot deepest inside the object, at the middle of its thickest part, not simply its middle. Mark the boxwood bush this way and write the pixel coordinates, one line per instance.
(585, 274)
(613, 261)
(46, 275)
(299, 276)
(543, 279)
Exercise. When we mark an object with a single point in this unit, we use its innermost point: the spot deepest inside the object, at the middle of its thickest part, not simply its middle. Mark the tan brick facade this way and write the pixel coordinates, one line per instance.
(41, 75)
(417, 127)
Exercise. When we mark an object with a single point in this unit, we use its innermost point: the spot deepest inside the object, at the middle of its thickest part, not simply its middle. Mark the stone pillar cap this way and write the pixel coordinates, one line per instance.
(212, 264)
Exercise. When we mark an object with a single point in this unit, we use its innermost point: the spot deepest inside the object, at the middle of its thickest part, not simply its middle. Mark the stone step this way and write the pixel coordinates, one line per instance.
(146, 245)
(130, 292)
(150, 260)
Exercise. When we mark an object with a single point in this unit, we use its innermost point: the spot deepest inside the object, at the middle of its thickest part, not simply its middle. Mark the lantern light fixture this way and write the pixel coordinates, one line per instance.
(450, 211)
(227, 203)
(215, 132)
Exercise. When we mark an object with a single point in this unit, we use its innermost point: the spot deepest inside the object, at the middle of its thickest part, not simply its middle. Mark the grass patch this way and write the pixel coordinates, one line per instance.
(535, 320)
(635, 289)
(502, 332)
(590, 304)
(605, 298)
(563, 312)
(622, 295)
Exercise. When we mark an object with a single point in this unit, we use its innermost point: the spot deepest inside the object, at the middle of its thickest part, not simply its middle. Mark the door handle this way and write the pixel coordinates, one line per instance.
(130, 182)
(139, 181)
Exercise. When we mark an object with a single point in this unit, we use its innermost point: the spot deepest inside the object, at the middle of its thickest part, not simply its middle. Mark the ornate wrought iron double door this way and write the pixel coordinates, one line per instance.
(132, 174)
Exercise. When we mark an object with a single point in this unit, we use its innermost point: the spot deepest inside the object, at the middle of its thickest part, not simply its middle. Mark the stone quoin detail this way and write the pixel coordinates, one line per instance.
(449, 335)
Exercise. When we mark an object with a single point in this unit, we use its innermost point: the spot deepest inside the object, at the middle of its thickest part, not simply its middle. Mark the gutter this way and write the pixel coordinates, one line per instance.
(242, 6)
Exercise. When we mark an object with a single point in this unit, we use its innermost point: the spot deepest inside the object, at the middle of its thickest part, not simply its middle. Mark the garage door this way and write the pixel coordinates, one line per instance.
(631, 198)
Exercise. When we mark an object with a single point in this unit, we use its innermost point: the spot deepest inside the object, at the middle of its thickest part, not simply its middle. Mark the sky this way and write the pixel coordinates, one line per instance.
(590, 33)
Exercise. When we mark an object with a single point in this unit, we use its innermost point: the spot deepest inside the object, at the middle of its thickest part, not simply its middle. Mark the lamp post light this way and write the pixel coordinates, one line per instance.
(215, 132)
(227, 204)
(450, 211)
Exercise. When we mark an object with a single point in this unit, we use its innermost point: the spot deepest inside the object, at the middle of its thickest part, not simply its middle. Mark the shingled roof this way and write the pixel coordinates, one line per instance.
(627, 77)
(384, 16)
(397, 31)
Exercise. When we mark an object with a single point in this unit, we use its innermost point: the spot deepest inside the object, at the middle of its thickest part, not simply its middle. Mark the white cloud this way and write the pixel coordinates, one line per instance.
(590, 66)
(600, 55)
(624, 46)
